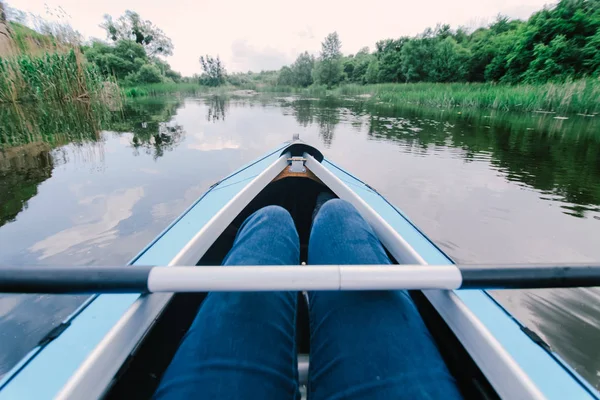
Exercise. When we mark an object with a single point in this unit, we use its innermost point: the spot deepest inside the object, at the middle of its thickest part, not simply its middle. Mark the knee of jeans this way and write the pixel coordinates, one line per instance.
(336, 208)
(275, 215)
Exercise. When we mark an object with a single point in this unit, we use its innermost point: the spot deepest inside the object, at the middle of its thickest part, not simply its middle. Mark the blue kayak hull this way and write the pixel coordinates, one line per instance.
(52, 366)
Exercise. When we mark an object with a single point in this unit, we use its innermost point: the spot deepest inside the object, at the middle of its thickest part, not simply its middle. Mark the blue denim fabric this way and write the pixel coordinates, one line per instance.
(364, 345)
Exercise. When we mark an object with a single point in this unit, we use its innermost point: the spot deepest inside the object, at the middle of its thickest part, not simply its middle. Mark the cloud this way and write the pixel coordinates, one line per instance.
(99, 230)
(203, 144)
(247, 57)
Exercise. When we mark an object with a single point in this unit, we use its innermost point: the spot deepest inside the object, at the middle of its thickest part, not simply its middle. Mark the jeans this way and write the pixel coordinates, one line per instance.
(363, 344)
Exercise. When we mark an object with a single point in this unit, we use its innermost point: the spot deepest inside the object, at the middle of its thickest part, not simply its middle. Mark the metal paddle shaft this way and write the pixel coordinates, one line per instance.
(139, 279)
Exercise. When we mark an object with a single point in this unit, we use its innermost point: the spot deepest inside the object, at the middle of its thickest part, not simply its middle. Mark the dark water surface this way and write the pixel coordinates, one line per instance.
(486, 187)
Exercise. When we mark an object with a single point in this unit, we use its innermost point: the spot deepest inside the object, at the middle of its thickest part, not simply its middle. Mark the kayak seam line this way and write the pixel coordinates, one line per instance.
(233, 183)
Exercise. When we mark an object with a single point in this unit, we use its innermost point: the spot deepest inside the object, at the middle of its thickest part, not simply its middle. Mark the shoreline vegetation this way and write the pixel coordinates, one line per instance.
(549, 63)
(48, 66)
(572, 97)
(53, 77)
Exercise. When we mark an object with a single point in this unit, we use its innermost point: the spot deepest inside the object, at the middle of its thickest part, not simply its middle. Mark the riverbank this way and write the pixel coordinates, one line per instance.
(579, 96)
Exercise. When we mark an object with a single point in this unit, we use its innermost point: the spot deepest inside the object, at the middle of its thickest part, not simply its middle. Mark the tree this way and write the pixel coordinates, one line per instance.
(214, 72)
(165, 70)
(148, 73)
(286, 77)
(559, 42)
(372, 74)
(389, 55)
(416, 56)
(551, 62)
(126, 58)
(302, 69)
(131, 26)
(450, 62)
(592, 55)
(329, 70)
(361, 62)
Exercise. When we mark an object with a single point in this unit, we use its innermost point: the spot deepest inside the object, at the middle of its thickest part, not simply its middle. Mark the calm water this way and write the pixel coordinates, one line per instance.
(485, 187)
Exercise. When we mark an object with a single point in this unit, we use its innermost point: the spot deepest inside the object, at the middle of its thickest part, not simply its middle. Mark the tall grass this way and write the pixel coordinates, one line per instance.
(56, 77)
(581, 96)
(52, 123)
(156, 89)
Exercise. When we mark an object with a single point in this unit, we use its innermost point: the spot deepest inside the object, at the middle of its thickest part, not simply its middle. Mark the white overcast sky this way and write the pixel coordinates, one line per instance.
(267, 34)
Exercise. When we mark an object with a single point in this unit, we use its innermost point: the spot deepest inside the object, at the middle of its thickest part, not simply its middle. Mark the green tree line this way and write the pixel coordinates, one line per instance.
(555, 44)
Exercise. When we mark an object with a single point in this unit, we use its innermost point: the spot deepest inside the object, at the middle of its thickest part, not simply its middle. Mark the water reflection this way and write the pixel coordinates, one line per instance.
(487, 187)
(149, 121)
(216, 108)
(564, 317)
(559, 158)
(55, 124)
(22, 169)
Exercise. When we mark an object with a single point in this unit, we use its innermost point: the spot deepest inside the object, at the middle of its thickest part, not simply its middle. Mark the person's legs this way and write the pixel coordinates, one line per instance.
(243, 345)
(371, 344)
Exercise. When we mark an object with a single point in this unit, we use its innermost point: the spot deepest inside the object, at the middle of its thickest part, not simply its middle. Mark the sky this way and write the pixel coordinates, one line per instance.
(267, 34)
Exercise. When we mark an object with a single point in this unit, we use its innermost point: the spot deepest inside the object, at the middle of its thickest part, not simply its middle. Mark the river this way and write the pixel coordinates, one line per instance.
(486, 187)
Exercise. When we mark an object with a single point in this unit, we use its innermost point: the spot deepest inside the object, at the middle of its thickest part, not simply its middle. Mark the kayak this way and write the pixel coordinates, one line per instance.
(118, 345)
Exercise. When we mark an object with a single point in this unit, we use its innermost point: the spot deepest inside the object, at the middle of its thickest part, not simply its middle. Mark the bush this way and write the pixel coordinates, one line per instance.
(148, 74)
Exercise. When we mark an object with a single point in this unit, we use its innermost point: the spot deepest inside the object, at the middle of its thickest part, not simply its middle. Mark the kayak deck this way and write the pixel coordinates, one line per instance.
(483, 345)
(141, 376)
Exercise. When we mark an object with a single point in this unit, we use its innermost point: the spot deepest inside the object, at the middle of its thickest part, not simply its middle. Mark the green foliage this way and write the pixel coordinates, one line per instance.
(390, 62)
(372, 74)
(570, 97)
(121, 60)
(329, 69)
(302, 70)
(557, 44)
(214, 72)
(286, 77)
(158, 89)
(416, 56)
(127, 61)
(254, 80)
(450, 62)
(355, 67)
(130, 26)
(148, 74)
(132, 55)
(591, 54)
(56, 77)
(553, 42)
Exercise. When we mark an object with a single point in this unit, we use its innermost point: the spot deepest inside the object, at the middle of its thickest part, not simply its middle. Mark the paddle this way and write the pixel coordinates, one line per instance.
(139, 279)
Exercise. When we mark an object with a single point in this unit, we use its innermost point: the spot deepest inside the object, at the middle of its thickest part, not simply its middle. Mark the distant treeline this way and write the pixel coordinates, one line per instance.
(556, 44)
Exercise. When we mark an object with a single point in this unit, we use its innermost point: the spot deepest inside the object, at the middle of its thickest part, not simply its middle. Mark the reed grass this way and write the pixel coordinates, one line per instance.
(157, 89)
(580, 96)
(51, 77)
